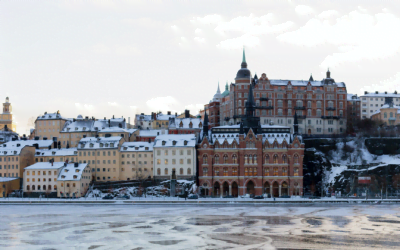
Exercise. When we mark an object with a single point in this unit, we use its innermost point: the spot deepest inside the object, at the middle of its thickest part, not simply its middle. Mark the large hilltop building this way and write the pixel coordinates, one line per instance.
(250, 158)
(319, 105)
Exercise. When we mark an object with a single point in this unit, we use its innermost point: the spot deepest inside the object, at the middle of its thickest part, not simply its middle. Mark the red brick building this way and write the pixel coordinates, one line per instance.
(250, 158)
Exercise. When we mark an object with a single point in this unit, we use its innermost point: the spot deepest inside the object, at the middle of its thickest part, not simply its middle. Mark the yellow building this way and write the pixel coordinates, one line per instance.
(7, 185)
(136, 161)
(58, 155)
(74, 180)
(388, 114)
(14, 157)
(102, 153)
(6, 118)
(49, 125)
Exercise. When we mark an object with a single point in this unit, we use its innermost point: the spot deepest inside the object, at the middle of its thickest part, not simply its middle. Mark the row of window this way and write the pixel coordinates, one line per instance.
(188, 161)
(181, 171)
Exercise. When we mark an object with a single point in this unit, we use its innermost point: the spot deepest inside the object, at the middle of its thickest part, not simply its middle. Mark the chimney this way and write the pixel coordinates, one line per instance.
(169, 112)
(187, 113)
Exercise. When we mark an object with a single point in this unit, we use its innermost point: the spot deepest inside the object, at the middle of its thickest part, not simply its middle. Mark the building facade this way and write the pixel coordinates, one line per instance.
(319, 105)
(174, 153)
(250, 158)
(371, 102)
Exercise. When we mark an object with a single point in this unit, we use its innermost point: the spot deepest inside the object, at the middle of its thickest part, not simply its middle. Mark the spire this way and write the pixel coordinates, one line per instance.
(218, 91)
(244, 63)
(311, 78)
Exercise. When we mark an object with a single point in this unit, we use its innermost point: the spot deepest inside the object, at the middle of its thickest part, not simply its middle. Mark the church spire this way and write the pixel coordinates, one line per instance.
(244, 63)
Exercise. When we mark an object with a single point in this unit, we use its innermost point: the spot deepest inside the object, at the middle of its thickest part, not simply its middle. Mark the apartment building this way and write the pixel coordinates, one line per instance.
(6, 117)
(49, 125)
(174, 153)
(320, 105)
(136, 161)
(74, 180)
(372, 102)
(58, 155)
(102, 153)
(14, 157)
(41, 178)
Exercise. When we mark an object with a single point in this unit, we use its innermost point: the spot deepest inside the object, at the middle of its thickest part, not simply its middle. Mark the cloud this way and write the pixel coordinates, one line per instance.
(166, 103)
(389, 85)
(252, 28)
(357, 35)
(246, 40)
(303, 10)
(328, 14)
(209, 19)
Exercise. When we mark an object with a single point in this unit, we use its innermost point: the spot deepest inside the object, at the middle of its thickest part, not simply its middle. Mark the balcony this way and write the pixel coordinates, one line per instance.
(264, 99)
(331, 117)
(300, 108)
(264, 107)
(330, 108)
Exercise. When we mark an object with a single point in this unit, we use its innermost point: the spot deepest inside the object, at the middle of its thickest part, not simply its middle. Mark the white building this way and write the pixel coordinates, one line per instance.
(175, 152)
(372, 102)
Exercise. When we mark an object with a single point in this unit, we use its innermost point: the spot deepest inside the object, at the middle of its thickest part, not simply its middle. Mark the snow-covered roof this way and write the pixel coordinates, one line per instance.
(136, 146)
(50, 116)
(150, 132)
(303, 83)
(46, 165)
(57, 152)
(99, 142)
(171, 140)
(72, 172)
(352, 97)
(374, 94)
(184, 123)
(6, 179)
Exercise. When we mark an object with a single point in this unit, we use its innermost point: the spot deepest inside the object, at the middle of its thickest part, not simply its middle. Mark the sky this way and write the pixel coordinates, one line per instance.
(103, 58)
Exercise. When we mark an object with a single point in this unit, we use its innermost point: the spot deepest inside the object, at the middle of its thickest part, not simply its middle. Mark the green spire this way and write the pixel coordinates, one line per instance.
(244, 56)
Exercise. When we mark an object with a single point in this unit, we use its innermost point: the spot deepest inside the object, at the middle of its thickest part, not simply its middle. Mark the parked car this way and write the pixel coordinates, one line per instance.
(228, 196)
(108, 197)
(193, 197)
(284, 196)
(258, 197)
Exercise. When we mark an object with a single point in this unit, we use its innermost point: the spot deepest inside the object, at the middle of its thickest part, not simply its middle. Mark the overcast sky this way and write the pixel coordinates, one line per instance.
(104, 58)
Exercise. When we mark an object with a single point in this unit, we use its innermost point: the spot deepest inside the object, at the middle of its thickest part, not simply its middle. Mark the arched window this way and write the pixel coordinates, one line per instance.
(255, 159)
(189, 171)
(216, 159)
(267, 159)
(216, 171)
(275, 159)
(166, 171)
(266, 171)
(276, 172)
(296, 159)
(33, 187)
(225, 159)
(205, 159)
(158, 171)
(246, 171)
(284, 171)
(181, 171)
(284, 159)
(28, 187)
(234, 171)
(225, 171)
(234, 158)
(205, 171)
(296, 171)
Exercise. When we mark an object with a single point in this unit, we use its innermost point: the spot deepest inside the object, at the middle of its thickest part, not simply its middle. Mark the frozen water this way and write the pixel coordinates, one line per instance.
(311, 226)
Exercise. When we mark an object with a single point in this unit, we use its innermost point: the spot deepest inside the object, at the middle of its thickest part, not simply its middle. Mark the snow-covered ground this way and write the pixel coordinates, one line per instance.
(200, 227)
